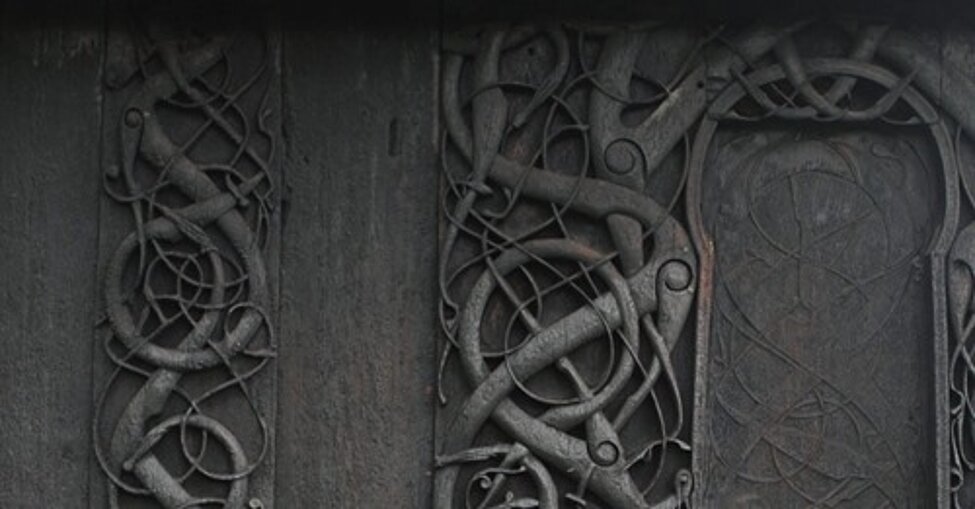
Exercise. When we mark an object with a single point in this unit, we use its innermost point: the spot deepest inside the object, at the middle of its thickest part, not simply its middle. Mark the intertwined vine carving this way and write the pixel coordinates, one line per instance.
(567, 273)
(186, 292)
(531, 294)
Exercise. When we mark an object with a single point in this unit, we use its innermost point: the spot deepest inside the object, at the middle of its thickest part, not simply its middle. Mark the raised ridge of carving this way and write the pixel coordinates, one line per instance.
(530, 172)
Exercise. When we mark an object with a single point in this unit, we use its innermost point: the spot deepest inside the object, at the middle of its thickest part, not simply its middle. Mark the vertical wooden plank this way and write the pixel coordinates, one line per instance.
(48, 226)
(358, 269)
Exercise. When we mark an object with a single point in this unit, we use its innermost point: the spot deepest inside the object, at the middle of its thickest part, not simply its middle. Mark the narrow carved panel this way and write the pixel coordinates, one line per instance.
(823, 236)
(567, 276)
(821, 199)
(185, 406)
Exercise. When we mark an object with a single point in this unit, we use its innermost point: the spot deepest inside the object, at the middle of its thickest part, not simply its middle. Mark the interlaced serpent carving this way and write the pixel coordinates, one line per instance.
(961, 284)
(186, 292)
(567, 274)
(565, 337)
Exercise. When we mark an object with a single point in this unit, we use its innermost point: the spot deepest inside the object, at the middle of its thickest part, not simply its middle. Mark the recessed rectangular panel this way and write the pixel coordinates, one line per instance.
(819, 369)
(821, 201)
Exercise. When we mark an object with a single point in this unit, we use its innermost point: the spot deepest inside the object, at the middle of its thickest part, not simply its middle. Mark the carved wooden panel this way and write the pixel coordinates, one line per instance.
(797, 185)
(185, 402)
(567, 277)
(680, 265)
(48, 220)
(819, 363)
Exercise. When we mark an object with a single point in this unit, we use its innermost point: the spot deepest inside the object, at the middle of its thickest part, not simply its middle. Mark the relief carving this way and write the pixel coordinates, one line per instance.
(564, 338)
(797, 185)
(186, 292)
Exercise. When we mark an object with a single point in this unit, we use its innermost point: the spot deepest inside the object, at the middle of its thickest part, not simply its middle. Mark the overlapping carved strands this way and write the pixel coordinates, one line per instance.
(554, 187)
(956, 90)
(187, 292)
(516, 230)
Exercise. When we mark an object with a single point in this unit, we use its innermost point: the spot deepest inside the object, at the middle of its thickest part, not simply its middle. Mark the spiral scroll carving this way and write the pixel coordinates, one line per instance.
(187, 294)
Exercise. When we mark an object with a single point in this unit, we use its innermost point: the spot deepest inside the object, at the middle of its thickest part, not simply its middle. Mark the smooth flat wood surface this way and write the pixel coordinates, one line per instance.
(358, 273)
(49, 186)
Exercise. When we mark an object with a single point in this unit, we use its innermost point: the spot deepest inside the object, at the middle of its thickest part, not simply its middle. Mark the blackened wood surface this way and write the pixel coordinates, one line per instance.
(358, 283)
(49, 119)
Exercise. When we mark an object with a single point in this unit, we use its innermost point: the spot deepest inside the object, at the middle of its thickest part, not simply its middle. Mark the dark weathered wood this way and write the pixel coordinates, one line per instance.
(49, 118)
(358, 279)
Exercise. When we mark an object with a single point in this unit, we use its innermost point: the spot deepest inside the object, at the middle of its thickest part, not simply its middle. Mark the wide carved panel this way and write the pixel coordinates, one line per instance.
(705, 266)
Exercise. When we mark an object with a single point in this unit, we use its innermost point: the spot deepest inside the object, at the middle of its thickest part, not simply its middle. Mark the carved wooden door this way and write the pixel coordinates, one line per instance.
(795, 185)
(257, 260)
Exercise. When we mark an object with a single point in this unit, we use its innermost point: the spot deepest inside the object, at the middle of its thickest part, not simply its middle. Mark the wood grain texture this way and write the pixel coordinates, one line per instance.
(48, 226)
(358, 283)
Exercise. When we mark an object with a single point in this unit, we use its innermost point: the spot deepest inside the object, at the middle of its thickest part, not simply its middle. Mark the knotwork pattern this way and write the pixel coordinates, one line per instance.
(566, 277)
(819, 256)
(187, 294)
(568, 268)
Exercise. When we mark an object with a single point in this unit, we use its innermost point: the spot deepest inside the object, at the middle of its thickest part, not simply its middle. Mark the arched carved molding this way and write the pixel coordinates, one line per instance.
(573, 253)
